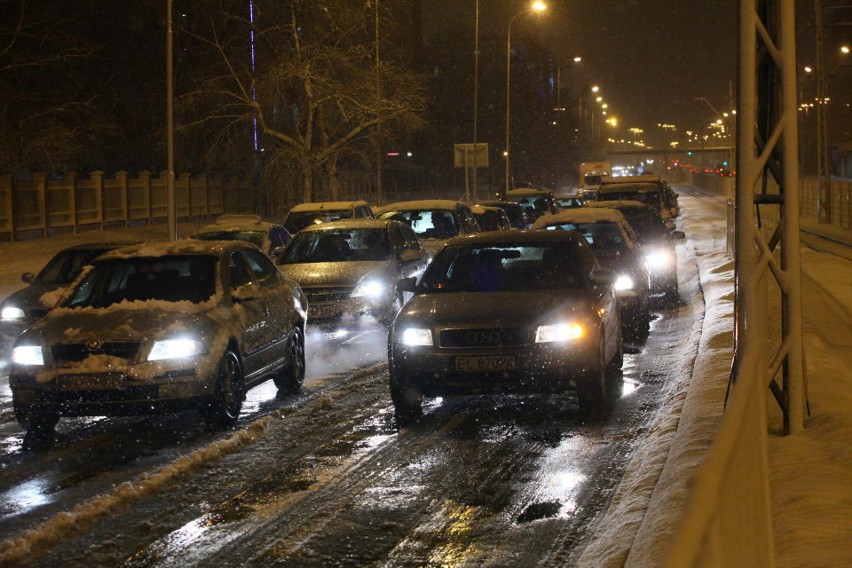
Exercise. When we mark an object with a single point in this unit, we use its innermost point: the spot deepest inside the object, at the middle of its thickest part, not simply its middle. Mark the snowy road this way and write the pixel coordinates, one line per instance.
(326, 478)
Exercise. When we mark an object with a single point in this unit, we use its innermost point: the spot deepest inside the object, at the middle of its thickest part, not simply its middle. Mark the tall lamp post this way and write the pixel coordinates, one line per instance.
(536, 7)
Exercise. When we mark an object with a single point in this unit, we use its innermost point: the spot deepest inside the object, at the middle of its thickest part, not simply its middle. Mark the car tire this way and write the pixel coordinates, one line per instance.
(671, 293)
(407, 400)
(593, 392)
(292, 376)
(640, 324)
(224, 408)
(393, 309)
(31, 417)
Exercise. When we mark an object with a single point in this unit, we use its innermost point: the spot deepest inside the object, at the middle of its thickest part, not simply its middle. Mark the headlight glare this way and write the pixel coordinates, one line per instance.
(623, 282)
(414, 336)
(657, 260)
(175, 349)
(29, 355)
(369, 289)
(12, 313)
(559, 332)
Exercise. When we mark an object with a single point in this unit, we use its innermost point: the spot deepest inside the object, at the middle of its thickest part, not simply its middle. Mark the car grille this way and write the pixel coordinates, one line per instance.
(483, 337)
(327, 294)
(76, 352)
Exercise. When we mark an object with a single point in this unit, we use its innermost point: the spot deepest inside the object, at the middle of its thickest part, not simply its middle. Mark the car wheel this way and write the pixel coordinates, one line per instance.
(592, 393)
(640, 324)
(671, 293)
(393, 309)
(407, 400)
(225, 407)
(290, 379)
(39, 425)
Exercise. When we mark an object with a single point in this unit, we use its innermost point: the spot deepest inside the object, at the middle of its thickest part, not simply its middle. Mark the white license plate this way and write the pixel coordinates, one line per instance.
(90, 382)
(490, 363)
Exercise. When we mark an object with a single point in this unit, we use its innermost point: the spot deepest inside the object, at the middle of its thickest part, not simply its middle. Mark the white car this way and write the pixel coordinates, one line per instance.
(435, 221)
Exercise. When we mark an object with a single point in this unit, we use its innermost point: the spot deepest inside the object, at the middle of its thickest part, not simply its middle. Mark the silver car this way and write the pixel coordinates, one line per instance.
(162, 327)
(509, 311)
(351, 268)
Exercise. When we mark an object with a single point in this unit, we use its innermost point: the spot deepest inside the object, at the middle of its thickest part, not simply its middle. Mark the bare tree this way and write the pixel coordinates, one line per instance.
(43, 115)
(305, 78)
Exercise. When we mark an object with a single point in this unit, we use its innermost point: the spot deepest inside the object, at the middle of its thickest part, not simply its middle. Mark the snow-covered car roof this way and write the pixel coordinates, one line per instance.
(527, 191)
(481, 209)
(237, 223)
(357, 223)
(420, 204)
(612, 203)
(185, 246)
(580, 215)
(643, 186)
(328, 205)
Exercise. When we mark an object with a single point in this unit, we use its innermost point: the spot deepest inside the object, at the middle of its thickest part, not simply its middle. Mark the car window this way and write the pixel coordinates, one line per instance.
(240, 274)
(262, 268)
(408, 237)
(504, 268)
(171, 278)
(278, 237)
(65, 266)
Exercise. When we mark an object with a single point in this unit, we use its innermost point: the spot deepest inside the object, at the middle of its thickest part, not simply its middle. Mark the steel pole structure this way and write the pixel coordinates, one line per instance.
(767, 176)
(170, 128)
(823, 169)
(475, 101)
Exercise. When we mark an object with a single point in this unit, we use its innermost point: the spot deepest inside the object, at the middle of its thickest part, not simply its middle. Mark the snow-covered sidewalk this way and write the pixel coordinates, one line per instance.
(810, 472)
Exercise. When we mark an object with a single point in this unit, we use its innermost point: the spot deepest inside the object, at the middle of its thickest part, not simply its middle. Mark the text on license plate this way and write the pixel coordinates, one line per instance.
(90, 382)
(490, 363)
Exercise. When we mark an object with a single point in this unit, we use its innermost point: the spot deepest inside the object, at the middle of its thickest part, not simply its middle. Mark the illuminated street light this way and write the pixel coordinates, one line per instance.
(536, 7)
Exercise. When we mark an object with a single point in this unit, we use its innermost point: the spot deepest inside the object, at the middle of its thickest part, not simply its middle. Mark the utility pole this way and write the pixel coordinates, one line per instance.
(823, 169)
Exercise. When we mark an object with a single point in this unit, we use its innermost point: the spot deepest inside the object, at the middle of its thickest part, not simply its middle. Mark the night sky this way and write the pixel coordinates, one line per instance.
(651, 58)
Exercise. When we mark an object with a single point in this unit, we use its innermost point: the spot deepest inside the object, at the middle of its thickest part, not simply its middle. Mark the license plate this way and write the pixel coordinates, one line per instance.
(90, 382)
(490, 363)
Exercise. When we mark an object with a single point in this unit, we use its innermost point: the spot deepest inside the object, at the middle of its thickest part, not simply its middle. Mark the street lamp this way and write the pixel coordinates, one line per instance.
(535, 7)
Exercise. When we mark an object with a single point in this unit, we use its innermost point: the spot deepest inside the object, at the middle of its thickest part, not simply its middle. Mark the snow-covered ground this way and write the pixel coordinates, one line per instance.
(810, 472)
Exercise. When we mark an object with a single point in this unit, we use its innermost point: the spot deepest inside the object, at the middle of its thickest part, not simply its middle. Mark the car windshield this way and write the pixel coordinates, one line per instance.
(533, 206)
(298, 220)
(338, 246)
(65, 266)
(648, 225)
(503, 268)
(427, 223)
(253, 237)
(651, 198)
(605, 238)
(172, 278)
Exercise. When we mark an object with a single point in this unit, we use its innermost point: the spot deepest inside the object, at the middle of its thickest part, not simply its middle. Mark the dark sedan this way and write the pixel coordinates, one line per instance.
(509, 311)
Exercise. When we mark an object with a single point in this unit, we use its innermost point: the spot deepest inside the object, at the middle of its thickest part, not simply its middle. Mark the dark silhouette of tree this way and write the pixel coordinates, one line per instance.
(312, 88)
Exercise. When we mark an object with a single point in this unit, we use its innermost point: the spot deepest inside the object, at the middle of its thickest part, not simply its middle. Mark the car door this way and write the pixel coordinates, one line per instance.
(250, 307)
(607, 299)
(276, 326)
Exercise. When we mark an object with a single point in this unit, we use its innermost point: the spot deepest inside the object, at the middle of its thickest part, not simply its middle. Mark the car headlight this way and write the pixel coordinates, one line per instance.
(414, 336)
(623, 282)
(558, 332)
(12, 313)
(175, 349)
(29, 355)
(369, 289)
(658, 260)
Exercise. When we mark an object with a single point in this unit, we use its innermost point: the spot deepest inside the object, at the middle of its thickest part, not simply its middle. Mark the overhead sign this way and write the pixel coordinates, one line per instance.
(465, 158)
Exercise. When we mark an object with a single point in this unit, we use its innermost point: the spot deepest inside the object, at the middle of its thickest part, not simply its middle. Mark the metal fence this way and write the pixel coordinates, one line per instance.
(40, 206)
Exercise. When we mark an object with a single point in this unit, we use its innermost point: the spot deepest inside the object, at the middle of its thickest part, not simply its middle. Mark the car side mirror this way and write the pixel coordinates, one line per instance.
(28, 277)
(407, 284)
(409, 255)
(678, 235)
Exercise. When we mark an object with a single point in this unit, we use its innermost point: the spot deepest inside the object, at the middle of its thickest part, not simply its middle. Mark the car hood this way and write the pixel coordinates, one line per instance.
(64, 325)
(336, 274)
(516, 309)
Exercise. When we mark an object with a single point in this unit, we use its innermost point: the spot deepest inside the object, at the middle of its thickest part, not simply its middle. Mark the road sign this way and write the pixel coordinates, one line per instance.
(465, 158)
